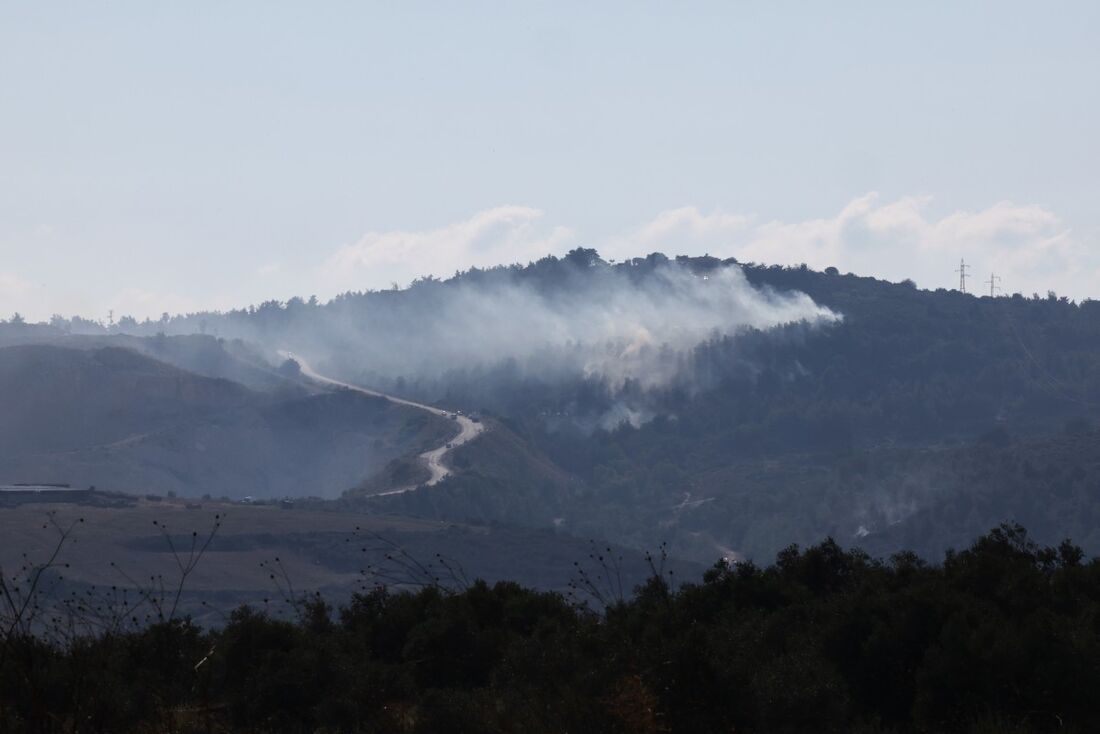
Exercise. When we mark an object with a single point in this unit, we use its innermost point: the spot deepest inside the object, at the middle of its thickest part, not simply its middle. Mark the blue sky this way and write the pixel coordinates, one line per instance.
(158, 156)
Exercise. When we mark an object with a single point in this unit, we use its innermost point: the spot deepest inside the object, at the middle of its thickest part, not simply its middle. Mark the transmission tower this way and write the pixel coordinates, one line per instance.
(963, 267)
(992, 283)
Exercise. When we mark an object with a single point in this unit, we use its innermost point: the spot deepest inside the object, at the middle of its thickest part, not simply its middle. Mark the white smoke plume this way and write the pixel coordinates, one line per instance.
(607, 324)
(630, 326)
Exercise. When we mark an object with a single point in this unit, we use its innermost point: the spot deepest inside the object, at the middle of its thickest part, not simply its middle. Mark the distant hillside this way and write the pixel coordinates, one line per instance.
(880, 430)
(860, 430)
(119, 420)
(230, 359)
(59, 399)
(939, 496)
(753, 433)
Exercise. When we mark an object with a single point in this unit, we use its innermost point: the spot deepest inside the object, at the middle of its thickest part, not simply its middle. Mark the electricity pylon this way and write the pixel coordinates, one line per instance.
(963, 267)
(992, 283)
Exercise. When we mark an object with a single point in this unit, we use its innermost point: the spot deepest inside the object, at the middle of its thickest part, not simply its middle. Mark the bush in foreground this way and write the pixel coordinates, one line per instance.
(1003, 636)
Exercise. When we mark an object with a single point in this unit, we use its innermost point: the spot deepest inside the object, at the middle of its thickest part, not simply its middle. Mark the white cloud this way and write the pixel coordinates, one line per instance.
(677, 228)
(1028, 246)
(504, 234)
(688, 221)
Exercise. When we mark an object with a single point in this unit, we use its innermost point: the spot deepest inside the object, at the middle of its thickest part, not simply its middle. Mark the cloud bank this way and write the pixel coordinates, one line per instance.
(504, 234)
(1027, 246)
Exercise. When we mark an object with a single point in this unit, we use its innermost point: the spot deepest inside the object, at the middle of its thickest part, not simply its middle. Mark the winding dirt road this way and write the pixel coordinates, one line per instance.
(433, 458)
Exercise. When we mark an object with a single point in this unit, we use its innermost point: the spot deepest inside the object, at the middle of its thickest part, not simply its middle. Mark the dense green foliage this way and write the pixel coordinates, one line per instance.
(1002, 636)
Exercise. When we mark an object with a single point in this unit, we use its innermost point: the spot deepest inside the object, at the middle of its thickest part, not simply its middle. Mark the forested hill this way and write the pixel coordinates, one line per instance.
(904, 365)
(946, 362)
(901, 363)
(725, 407)
(910, 409)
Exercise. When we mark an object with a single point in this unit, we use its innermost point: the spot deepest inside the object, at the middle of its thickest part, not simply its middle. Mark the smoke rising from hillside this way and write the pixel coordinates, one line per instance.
(630, 326)
(606, 323)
